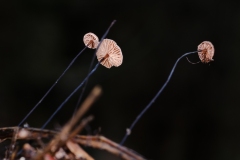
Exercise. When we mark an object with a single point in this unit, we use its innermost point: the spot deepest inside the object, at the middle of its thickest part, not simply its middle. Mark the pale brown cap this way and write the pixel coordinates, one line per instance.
(206, 51)
(90, 40)
(109, 53)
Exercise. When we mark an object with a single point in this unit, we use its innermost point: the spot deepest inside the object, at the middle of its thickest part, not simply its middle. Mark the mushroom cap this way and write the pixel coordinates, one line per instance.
(109, 54)
(90, 40)
(206, 51)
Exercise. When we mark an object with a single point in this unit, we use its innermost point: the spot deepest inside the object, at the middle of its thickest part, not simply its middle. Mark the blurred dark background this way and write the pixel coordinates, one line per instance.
(197, 115)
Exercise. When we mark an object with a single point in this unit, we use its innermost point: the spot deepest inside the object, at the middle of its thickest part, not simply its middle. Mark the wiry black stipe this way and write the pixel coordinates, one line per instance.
(51, 87)
(84, 87)
(154, 98)
(65, 101)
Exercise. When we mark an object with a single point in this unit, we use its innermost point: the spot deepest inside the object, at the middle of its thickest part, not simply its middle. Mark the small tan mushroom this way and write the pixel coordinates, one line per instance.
(90, 40)
(206, 51)
(109, 54)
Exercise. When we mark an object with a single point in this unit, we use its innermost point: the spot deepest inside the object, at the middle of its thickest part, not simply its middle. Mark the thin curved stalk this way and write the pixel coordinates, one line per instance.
(154, 98)
(65, 101)
(51, 87)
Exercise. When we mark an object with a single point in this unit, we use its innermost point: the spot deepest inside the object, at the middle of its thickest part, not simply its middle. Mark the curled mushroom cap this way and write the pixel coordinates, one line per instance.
(206, 51)
(109, 54)
(90, 40)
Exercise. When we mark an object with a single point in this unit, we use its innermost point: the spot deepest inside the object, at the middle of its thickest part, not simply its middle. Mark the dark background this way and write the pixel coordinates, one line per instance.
(196, 117)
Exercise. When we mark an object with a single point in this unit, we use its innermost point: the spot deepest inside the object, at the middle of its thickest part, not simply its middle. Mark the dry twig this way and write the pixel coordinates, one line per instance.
(98, 142)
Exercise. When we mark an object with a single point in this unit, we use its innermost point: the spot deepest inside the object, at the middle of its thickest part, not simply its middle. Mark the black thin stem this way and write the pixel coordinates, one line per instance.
(154, 98)
(51, 87)
(105, 34)
(64, 102)
(84, 87)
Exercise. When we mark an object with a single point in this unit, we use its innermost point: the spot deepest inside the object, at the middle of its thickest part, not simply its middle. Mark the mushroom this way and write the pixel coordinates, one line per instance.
(206, 51)
(109, 54)
(90, 40)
